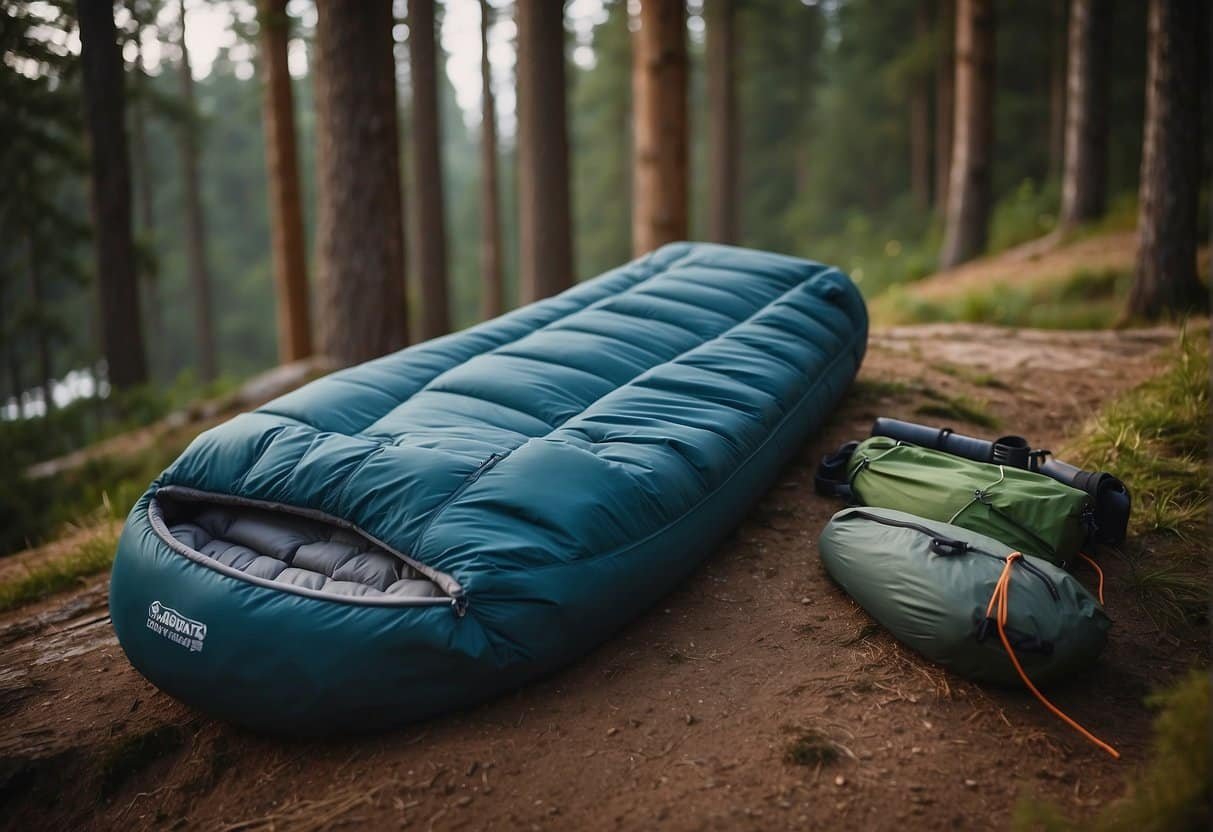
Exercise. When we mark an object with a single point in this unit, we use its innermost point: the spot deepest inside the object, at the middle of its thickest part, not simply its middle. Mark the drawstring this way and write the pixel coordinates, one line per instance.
(1098, 572)
(1001, 600)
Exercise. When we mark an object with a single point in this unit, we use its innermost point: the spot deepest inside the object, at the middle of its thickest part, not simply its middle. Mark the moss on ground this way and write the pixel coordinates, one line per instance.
(1084, 300)
(93, 556)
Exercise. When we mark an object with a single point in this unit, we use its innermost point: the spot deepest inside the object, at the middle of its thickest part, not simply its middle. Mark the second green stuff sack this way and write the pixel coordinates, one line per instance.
(1029, 512)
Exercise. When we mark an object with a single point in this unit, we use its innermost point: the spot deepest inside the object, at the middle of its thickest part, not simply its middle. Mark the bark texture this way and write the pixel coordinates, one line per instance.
(105, 107)
(945, 94)
(145, 200)
(195, 220)
(723, 145)
(545, 241)
(1058, 39)
(493, 288)
(286, 205)
(968, 213)
(659, 99)
(1084, 181)
(360, 219)
(1166, 282)
(920, 117)
(429, 211)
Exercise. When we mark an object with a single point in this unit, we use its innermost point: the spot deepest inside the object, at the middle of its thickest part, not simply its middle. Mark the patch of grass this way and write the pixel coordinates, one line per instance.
(32, 510)
(1083, 300)
(977, 378)
(957, 408)
(1156, 438)
(1173, 792)
(132, 754)
(45, 579)
(810, 748)
(875, 389)
(1029, 212)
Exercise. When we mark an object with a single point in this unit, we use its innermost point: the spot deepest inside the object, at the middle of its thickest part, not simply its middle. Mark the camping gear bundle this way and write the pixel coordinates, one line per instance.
(960, 546)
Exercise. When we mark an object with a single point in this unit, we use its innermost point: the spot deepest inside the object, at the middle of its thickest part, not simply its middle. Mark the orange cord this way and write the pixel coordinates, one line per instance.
(1001, 599)
(1098, 572)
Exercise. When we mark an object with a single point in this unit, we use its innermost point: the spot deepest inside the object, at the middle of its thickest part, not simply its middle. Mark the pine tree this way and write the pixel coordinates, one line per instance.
(492, 279)
(1085, 175)
(969, 192)
(659, 102)
(724, 146)
(429, 244)
(286, 201)
(105, 110)
(195, 219)
(1166, 282)
(544, 230)
(360, 258)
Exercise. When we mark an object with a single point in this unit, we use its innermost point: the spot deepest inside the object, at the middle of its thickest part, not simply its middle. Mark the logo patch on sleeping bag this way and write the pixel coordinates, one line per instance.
(177, 628)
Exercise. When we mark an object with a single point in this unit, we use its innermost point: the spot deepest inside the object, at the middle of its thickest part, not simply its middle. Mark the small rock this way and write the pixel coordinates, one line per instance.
(970, 784)
(690, 720)
(806, 601)
(612, 732)
(840, 780)
(464, 801)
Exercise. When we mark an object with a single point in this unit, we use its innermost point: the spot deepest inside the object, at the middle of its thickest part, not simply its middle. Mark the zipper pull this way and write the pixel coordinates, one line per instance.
(945, 546)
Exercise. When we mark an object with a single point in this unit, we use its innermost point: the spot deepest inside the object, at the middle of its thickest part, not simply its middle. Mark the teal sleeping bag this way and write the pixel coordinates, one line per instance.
(437, 526)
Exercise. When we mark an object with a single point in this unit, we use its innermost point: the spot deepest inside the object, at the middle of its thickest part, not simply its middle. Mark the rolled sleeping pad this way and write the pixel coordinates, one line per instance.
(1110, 496)
(1006, 450)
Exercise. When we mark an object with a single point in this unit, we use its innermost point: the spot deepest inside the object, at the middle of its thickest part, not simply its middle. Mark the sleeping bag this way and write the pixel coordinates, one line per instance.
(431, 528)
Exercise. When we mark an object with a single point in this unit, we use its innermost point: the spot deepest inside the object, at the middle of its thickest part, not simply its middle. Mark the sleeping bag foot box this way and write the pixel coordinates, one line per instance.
(437, 526)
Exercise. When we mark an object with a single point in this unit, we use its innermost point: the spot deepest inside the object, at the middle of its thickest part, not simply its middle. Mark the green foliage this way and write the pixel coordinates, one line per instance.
(1173, 791)
(1028, 212)
(94, 555)
(33, 509)
(1084, 300)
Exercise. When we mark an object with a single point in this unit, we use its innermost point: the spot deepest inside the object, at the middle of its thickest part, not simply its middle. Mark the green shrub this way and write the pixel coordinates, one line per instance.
(1172, 792)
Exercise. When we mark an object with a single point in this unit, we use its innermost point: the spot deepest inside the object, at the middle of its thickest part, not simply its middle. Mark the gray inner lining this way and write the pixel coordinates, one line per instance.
(293, 550)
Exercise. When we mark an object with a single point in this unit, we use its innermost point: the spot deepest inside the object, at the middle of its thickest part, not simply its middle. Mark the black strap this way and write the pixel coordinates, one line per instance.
(831, 478)
(1021, 642)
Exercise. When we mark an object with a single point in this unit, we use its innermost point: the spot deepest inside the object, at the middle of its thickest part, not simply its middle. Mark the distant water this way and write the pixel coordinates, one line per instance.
(82, 383)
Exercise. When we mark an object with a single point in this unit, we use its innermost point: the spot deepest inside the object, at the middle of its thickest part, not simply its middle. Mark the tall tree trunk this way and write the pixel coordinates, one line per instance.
(945, 96)
(360, 259)
(920, 117)
(968, 213)
(105, 106)
(1084, 181)
(145, 198)
(427, 172)
(722, 128)
(195, 220)
(286, 204)
(1057, 88)
(545, 239)
(1166, 280)
(493, 291)
(659, 101)
(42, 336)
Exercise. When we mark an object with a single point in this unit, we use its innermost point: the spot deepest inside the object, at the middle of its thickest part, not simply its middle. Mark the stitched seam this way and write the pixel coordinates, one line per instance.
(847, 353)
(653, 271)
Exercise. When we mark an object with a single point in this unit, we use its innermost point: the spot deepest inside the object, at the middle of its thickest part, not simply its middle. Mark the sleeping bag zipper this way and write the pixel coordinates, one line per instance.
(949, 546)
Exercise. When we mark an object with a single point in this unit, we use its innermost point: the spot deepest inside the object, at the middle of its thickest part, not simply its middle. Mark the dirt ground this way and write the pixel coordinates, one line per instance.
(683, 719)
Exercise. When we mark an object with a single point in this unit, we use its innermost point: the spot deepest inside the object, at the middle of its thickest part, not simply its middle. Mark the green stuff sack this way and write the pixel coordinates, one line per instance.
(1029, 512)
(930, 583)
